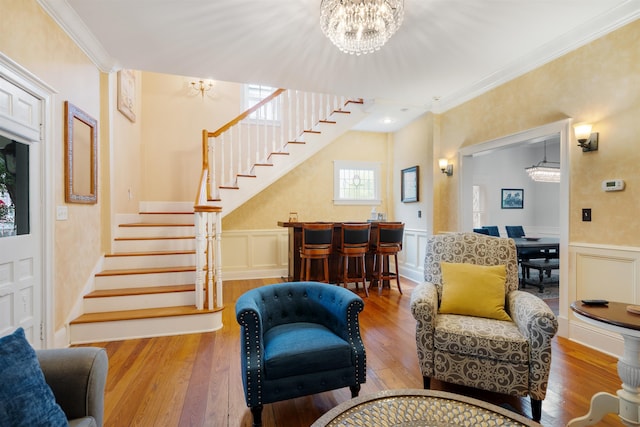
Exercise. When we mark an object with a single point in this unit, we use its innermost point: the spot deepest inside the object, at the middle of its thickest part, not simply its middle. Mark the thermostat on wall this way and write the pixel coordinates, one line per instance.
(613, 185)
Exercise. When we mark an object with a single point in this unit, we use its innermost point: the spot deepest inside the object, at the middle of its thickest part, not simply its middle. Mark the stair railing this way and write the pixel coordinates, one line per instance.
(249, 140)
(208, 242)
(235, 149)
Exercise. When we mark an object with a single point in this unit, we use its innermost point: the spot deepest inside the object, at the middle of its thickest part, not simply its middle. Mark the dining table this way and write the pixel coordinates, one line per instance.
(550, 246)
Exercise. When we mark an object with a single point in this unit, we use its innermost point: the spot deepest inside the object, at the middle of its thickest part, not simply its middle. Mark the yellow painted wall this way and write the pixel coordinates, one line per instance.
(308, 189)
(174, 117)
(598, 83)
(413, 146)
(29, 37)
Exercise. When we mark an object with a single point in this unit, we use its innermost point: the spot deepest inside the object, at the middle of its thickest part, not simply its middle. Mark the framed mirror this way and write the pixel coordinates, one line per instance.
(81, 155)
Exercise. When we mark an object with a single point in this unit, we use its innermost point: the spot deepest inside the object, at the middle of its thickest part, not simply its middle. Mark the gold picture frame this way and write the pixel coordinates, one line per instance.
(127, 94)
(81, 156)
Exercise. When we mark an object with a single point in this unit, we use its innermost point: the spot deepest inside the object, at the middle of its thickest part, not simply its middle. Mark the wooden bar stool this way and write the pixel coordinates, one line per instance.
(388, 243)
(317, 242)
(354, 243)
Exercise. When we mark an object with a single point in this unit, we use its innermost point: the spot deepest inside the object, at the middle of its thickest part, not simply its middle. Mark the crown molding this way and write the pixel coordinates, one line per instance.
(624, 14)
(64, 15)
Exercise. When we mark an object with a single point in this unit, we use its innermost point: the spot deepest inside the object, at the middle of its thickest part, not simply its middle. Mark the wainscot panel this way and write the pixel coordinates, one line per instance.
(602, 272)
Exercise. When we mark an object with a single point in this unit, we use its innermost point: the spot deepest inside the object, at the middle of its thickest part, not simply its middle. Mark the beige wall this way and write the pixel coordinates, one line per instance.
(29, 37)
(308, 189)
(173, 119)
(413, 146)
(598, 83)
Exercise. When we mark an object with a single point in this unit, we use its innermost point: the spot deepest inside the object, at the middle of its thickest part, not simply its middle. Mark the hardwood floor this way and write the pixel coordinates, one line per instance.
(194, 380)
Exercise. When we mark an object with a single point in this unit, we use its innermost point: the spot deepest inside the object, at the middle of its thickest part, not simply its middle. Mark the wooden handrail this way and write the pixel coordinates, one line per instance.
(242, 116)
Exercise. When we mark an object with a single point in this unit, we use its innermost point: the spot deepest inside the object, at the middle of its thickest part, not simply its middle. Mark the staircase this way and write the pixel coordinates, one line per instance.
(148, 284)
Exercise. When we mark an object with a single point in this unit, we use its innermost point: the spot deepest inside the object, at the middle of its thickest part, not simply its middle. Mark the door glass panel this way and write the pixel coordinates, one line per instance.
(14, 188)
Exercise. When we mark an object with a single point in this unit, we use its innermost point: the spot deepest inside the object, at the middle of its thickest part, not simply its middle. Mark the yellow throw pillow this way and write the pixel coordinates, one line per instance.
(473, 290)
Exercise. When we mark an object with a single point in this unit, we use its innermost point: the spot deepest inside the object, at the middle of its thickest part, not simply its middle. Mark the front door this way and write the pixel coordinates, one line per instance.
(21, 243)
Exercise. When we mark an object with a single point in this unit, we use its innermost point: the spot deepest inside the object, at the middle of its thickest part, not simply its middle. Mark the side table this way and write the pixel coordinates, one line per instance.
(614, 317)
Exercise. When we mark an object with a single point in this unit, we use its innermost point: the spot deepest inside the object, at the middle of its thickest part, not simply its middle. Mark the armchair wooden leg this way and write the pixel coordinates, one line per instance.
(536, 409)
(256, 411)
(426, 381)
(355, 390)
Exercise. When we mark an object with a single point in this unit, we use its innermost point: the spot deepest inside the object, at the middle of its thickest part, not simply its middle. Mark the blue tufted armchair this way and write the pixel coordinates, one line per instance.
(296, 339)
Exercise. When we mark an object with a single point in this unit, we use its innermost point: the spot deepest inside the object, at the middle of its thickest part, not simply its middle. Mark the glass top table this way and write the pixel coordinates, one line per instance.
(419, 408)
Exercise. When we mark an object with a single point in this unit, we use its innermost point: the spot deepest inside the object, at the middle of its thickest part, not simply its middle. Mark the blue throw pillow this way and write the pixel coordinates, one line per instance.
(25, 397)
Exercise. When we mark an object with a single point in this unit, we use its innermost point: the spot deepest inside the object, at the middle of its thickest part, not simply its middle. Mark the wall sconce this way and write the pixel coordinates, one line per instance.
(445, 167)
(587, 140)
(202, 86)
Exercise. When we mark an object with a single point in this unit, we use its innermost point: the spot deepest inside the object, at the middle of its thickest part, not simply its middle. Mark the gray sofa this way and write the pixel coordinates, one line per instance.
(77, 376)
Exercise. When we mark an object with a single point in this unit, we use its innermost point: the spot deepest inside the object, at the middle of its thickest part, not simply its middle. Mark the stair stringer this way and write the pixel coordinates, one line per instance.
(280, 164)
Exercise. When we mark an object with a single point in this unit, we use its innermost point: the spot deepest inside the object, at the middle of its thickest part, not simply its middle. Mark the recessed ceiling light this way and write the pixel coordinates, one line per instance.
(388, 120)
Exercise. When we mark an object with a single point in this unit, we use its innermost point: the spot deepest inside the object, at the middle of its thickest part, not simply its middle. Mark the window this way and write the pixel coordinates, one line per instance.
(252, 95)
(356, 183)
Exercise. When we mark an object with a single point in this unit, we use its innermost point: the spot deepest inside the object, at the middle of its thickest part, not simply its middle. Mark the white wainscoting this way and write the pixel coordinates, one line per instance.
(254, 254)
(411, 259)
(602, 272)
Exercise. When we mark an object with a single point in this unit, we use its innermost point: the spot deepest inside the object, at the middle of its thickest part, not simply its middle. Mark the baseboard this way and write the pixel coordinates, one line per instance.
(597, 339)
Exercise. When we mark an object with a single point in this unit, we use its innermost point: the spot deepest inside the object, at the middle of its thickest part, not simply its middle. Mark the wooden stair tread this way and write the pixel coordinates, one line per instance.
(149, 253)
(154, 270)
(147, 313)
(166, 213)
(155, 224)
(118, 239)
(140, 291)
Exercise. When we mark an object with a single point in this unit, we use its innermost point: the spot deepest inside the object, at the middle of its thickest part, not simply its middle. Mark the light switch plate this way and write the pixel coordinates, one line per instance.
(62, 213)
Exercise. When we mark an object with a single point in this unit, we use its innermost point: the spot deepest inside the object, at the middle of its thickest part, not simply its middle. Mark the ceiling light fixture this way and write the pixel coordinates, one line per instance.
(202, 86)
(360, 26)
(544, 171)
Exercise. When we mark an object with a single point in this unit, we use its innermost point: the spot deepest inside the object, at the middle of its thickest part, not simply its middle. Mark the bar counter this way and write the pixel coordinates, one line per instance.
(295, 241)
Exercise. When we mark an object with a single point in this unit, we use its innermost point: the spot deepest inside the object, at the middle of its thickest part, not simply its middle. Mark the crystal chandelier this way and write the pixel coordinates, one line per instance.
(360, 26)
(544, 171)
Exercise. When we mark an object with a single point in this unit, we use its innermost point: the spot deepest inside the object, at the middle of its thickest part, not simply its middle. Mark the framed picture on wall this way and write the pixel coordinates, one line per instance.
(409, 183)
(126, 94)
(512, 198)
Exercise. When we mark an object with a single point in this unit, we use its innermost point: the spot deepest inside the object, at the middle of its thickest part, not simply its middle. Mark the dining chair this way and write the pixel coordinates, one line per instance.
(354, 244)
(493, 230)
(317, 244)
(481, 231)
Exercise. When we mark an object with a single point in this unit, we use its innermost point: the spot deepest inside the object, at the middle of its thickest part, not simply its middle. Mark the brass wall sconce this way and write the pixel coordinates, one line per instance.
(445, 167)
(202, 86)
(587, 140)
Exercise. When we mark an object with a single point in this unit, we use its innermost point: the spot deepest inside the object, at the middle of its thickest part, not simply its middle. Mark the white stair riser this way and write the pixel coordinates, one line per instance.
(145, 280)
(139, 302)
(148, 261)
(167, 218)
(154, 245)
(159, 231)
(83, 333)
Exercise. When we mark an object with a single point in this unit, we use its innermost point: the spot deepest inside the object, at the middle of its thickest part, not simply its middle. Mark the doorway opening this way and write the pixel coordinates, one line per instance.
(528, 144)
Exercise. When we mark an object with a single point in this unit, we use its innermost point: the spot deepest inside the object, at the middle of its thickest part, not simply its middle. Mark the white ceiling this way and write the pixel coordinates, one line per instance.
(451, 50)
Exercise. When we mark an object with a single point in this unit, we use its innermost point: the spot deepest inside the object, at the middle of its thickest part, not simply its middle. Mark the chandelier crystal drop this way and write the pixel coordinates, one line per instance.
(360, 26)
(544, 171)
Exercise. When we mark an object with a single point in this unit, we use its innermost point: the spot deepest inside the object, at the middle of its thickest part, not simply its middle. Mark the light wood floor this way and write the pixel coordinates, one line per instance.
(194, 380)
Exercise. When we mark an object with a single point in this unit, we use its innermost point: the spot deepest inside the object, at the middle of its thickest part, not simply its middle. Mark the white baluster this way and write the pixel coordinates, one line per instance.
(218, 258)
(212, 256)
(200, 226)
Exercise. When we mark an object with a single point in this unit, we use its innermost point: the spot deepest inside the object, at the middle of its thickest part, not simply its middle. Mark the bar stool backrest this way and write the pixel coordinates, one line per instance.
(317, 236)
(390, 234)
(355, 235)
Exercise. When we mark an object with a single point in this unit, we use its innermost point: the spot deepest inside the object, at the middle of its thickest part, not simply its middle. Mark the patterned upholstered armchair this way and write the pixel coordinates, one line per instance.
(299, 338)
(504, 356)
